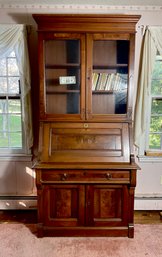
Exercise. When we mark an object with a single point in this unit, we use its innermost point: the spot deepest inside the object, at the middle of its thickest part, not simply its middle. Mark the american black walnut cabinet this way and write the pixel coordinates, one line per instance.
(86, 174)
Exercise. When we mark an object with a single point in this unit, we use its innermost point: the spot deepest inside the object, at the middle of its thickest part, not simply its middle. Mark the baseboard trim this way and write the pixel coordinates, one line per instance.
(148, 203)
(28, 203)
(18, 203)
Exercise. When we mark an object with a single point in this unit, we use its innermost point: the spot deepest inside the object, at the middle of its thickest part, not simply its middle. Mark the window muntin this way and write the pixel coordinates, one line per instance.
(155, 125)
(10, 105)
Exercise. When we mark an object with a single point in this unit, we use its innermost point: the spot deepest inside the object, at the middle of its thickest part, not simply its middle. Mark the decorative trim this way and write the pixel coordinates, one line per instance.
(150, 159)
(148, 203)
(16, 157)
(18, 203)
(30, 203)
(149, 196)
(81, 7)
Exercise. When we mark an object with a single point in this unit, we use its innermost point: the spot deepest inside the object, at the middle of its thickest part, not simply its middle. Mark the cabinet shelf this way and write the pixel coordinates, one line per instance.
(109, 67)
(62, 66)
(108, 92)
(103, 92)
(63, 92)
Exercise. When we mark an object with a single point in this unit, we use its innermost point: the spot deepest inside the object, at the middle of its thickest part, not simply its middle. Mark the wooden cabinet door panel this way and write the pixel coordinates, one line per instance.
(63, 205)
(107, 205)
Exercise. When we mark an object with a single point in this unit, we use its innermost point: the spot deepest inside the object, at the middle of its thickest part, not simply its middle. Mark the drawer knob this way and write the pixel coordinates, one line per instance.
(108, 176)
(64, 176)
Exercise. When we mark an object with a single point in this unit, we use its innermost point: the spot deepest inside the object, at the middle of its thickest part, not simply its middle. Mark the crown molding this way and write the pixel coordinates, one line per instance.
(74, 7)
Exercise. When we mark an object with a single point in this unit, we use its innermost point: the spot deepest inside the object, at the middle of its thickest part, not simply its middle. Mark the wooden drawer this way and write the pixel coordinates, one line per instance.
(84, 176)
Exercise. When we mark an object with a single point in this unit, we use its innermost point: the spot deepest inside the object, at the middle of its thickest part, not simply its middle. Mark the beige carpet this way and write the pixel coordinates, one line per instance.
(18, 240)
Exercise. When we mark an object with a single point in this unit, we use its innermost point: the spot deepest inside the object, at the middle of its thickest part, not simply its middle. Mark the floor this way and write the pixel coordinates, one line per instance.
(18, 216)
(30, 216)
(147, 217)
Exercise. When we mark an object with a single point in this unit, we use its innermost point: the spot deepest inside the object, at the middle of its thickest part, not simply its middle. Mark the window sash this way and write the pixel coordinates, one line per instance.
(13, 37)
(156, 134)
(11, 129)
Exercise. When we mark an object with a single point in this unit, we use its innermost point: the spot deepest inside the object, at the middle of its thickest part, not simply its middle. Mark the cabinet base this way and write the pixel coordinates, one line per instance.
(86, 231)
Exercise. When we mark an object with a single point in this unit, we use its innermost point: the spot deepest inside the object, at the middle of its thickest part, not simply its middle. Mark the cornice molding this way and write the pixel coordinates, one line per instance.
(81, 7)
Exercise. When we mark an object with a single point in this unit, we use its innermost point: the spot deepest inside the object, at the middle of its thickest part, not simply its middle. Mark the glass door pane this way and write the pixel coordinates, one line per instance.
(62, 76)
(110, 76)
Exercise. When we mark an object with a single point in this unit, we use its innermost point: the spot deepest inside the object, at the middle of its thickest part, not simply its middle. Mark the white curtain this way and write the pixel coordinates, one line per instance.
(14, 37)
(152, 42)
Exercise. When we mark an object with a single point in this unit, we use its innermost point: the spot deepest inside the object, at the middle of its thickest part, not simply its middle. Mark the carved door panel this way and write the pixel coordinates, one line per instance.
(63, 205)
(107, 205)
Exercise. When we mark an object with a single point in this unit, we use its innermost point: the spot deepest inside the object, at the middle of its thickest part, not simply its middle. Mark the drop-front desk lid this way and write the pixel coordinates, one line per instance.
(90, 145)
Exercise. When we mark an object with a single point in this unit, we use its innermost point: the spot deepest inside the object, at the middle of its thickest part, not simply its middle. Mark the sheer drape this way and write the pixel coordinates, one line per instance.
(152, 42)
(13, 37)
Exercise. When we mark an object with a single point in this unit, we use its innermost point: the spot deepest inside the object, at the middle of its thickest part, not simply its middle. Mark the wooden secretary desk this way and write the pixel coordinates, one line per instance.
(86, 174)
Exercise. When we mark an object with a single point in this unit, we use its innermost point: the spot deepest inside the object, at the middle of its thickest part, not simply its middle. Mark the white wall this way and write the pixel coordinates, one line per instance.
(17, 184)
(14, 179)
(149, 186)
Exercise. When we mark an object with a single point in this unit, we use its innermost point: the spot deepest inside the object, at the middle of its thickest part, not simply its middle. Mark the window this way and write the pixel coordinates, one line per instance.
(16, 134)
(155, 124)
(10, 105)
(148, 107)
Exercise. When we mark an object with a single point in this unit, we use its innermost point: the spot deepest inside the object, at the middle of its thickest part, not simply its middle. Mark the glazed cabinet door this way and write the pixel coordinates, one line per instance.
(63, 205)
(62, 75)
(107, 205)
(108, 75)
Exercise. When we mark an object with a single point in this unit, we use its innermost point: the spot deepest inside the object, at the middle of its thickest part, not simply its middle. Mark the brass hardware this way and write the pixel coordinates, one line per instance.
(108, 176)
(82, 113)
(85, 125)
(64, 176)
(89, 73)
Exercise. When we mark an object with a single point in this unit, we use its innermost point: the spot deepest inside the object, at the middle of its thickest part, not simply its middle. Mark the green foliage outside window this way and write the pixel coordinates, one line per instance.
(10, 104)
(155, 133)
